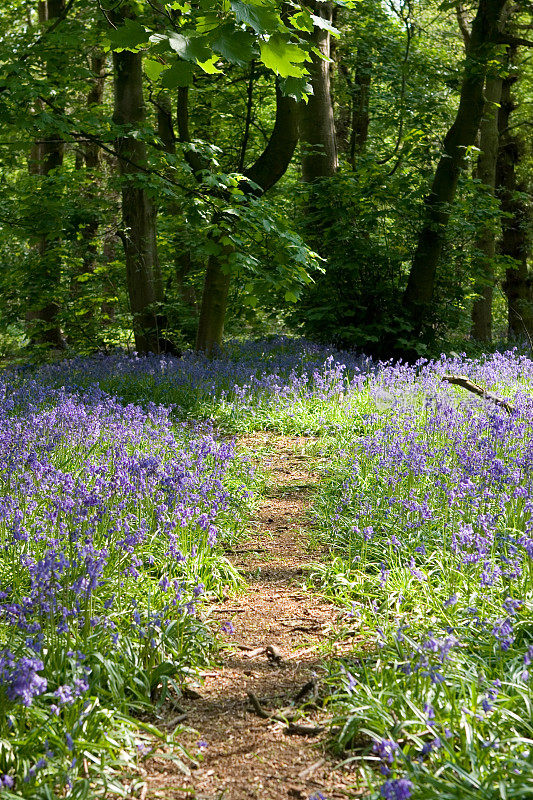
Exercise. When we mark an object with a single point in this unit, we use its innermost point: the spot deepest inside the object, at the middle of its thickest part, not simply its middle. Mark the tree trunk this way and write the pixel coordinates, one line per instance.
(317, 125)
(214, 303)
(264, 173)
(462, 135)
(92, 156)
(486, 241)
(138, 210)
(165, 127)
(360, 95)
(47, 155)
(516, 218)
(165, 131)
(95, 97)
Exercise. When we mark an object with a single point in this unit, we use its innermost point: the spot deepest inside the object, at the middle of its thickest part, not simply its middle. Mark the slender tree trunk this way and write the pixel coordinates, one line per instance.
(516, 216)
(353, 123)
(138, 210)
(462, 135)
(92, 156)
(165, 131)
(264, 173)
(486, 241)
(360, 104)
(95, 97)
(165, 126)
(47, 156)
(317, 125)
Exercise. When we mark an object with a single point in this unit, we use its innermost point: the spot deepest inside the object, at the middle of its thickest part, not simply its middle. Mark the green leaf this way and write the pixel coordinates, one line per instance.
(291, 296)
(180, 74)
(129, 36)
(189, 48)
(282, 57)
(235, 45)
(324, 24)
(210, 65)
(261, 19)
(302, 21)
(299, 88)
(153, 69)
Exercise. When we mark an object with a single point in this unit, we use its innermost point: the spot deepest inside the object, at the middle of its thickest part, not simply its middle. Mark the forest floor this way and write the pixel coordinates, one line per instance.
(282, 636)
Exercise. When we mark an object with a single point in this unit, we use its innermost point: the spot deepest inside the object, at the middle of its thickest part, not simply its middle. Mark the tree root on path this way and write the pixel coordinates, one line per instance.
(294, 728)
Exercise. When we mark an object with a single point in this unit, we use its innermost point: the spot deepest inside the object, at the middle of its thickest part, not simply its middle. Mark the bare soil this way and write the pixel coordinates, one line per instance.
(242, 754)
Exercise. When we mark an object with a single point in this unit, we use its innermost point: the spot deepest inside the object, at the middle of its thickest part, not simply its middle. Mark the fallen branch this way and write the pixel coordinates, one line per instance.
(171, 723)
(305, 730)
(466, 383)
(254, 653)
(308, 771)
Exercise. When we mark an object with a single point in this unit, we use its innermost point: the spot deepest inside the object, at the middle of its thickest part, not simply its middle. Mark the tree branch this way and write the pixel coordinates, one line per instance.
(196, 161)
(249, 108)
(466, 383)
(85, 135)
(277, 155)
(460, 13)
(514, 41)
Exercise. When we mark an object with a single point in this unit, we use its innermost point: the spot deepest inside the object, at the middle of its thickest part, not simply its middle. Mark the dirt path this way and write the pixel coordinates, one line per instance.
(244, 755)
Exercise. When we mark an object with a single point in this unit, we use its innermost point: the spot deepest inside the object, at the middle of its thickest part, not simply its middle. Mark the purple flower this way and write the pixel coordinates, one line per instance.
(503, 631)
(397, 789)
(415, 572)
(486, 705)
(451, 601)
(227, 627)
(386, 749)
(23, 682)
(64, 695)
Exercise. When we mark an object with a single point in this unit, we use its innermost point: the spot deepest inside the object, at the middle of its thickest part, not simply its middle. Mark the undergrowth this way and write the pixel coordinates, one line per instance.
(121, 487)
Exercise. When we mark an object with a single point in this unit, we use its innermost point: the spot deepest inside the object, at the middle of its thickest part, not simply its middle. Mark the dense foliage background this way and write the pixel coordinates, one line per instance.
(110, 214)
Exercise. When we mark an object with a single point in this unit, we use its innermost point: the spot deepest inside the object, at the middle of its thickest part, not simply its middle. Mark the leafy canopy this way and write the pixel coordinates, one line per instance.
(207, 36)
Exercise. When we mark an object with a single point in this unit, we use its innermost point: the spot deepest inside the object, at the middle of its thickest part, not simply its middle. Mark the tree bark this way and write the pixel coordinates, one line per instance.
(516, 216)
(486, 241)
(360, 104)
(317, 125)
(214, 302)
(263, 174)
(92, 156)
(165, 127)
(138, 210)
(462, 135)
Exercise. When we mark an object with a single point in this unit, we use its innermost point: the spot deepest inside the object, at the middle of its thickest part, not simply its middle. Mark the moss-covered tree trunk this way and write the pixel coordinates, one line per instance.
(486, 240)
(317, 125)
